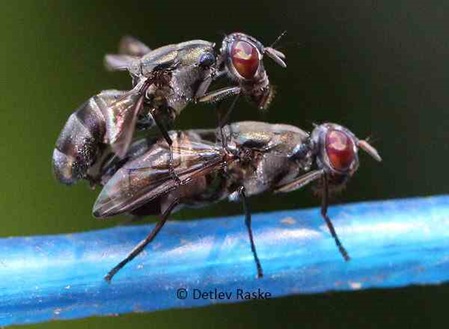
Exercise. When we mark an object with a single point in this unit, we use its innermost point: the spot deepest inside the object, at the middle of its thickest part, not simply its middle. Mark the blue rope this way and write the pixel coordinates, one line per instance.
(392, 244)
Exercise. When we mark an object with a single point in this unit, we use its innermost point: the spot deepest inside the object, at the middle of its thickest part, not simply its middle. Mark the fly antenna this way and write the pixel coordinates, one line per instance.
(278, 38)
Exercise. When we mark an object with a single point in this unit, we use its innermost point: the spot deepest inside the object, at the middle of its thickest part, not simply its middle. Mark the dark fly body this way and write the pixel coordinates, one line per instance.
(258, 157)
(165, 80)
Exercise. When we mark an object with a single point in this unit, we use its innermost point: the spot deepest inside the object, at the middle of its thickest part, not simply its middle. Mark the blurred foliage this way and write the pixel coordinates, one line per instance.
(378, 67)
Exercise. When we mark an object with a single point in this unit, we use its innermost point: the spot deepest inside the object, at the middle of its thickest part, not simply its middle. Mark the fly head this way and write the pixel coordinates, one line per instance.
(336, 149)
(242, 56)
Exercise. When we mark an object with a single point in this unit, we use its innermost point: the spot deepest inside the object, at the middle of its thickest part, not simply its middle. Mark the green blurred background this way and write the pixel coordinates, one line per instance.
(378, 67)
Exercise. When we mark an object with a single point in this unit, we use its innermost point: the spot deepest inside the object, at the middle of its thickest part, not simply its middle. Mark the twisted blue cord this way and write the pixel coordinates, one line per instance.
(392, 244)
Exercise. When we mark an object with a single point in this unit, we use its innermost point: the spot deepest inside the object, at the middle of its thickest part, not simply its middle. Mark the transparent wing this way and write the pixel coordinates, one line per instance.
(133, 47)
(114, 62)
(148, 176)
(130, 50)
(121, 117)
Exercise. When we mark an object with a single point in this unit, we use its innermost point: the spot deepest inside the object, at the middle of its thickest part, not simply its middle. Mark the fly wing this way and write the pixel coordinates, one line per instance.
(130, 50)
(148, 176)
(114, 62)
(121, 117)
(131, 46)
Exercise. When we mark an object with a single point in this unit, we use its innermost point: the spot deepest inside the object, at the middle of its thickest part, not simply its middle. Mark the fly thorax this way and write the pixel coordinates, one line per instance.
(246, 156)
(239, 171)
(187, 79)
(303, 155)
(182, 88)
(306, 163)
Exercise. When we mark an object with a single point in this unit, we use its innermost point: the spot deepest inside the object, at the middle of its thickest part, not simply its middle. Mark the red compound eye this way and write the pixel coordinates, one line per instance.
(245, 58)
(339, 149)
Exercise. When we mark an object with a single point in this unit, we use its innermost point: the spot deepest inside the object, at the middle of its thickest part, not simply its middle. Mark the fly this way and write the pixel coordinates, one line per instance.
(165, 81)
(247, 165)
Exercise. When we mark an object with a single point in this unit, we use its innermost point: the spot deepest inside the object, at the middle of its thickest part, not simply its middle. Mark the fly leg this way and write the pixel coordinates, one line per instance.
(167, 137)
(142, 244)
(241, 191)
(223, 119)
(219, 94)
(221, 125)
(324, 206)
(204, 85)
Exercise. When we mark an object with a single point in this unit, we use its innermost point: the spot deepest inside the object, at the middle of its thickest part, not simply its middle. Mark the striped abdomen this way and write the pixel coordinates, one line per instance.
(79, 142)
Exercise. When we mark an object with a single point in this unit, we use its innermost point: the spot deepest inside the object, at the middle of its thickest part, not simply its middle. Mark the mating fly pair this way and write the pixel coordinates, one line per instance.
(164, 82)
(257, 157)
(156, 176)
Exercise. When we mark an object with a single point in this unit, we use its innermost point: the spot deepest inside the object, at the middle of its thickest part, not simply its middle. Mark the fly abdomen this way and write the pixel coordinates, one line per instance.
(79, 143)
